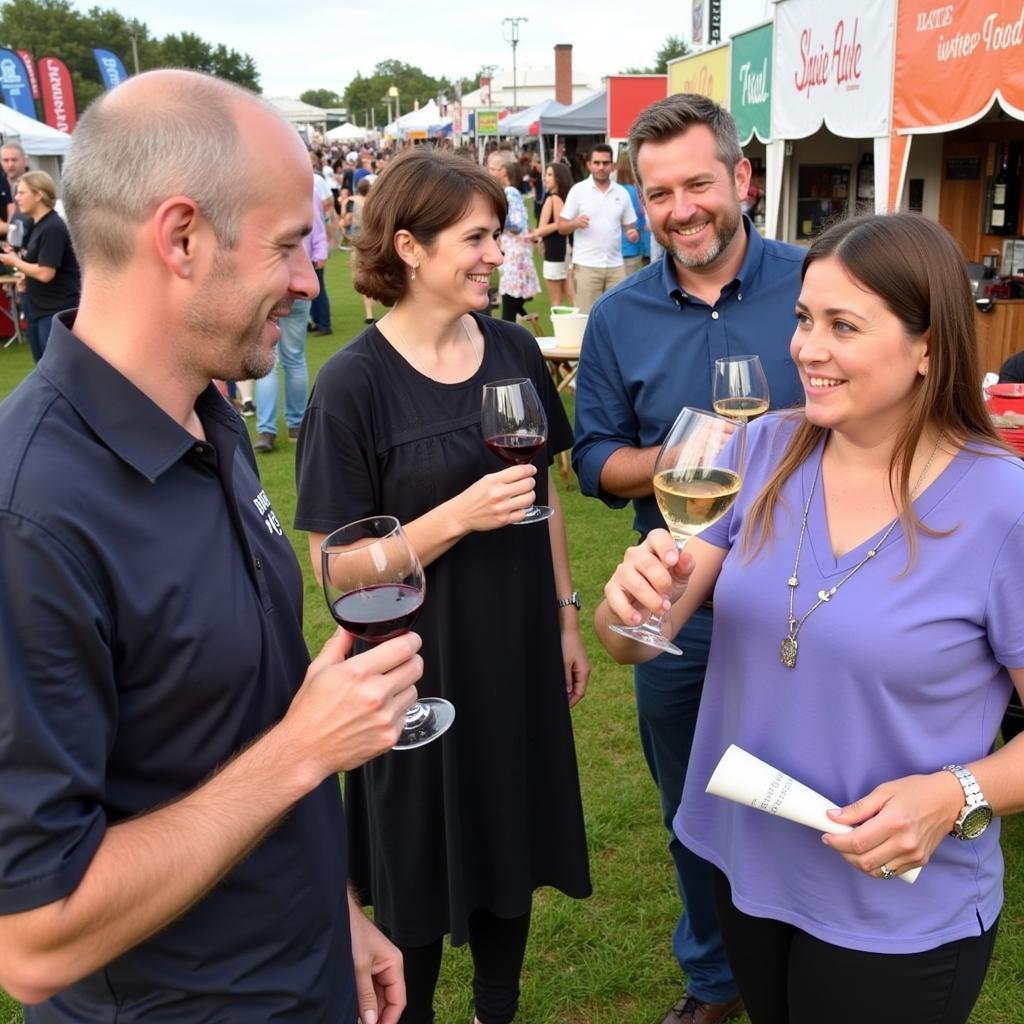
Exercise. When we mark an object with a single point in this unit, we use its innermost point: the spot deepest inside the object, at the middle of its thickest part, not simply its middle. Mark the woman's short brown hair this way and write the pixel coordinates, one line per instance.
(41, 182)
(423, 191)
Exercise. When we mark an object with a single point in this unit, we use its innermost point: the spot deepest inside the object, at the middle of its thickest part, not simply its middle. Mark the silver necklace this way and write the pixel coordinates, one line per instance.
(407, 351)
(788, 647)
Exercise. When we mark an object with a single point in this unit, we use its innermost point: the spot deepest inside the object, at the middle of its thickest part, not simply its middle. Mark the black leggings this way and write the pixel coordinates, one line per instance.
(511, 307)
(789, 977)
(497, 944)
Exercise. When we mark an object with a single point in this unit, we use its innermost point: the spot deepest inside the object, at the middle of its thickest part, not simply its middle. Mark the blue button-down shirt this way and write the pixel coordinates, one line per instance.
(650, 349)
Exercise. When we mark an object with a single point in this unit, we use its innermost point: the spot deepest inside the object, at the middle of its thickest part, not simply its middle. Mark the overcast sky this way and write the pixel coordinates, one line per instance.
(323, 44)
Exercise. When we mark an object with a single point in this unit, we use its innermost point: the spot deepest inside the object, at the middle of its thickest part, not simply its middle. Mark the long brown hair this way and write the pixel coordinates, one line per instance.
(916, 269)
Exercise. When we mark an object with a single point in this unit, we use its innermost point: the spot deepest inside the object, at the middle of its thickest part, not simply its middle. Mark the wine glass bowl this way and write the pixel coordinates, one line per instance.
(375, 586)
(515, 429)
(697, 476)
(739, 389)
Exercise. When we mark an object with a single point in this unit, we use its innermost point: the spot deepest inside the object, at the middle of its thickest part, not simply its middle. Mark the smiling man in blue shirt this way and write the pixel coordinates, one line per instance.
(650, 349)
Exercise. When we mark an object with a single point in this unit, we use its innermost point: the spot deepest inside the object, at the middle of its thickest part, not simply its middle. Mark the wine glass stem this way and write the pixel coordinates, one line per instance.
(656, 623)
(416, 716)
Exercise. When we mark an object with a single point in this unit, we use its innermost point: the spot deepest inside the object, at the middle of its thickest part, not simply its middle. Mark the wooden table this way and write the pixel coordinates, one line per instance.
(563, 363)
(8, 283)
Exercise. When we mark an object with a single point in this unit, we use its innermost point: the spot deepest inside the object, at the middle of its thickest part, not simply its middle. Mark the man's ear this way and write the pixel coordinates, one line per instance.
(178, 227)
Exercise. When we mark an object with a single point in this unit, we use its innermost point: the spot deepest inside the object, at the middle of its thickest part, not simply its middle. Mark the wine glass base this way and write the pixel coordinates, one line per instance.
(536, 514)
(643, 635)
(440, 715)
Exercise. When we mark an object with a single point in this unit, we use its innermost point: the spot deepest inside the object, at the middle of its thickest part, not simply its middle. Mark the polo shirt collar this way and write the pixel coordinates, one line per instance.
(748, 268)
(128, 422)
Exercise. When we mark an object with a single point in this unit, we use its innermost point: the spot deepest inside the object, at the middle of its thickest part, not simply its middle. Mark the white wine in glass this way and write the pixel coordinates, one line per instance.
(696, 479)
(739, 390)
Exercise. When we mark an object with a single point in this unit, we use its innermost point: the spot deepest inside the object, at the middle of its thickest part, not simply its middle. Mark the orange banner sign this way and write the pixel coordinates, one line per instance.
(953, 59)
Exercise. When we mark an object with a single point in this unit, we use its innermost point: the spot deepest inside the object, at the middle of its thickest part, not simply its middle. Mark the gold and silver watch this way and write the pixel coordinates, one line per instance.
(976, 814)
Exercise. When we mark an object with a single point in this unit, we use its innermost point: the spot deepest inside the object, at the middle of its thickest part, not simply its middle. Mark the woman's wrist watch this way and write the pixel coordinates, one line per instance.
(573, 598)
(976, 814)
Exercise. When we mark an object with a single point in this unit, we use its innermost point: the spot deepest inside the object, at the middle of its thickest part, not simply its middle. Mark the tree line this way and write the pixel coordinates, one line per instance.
(54, 28)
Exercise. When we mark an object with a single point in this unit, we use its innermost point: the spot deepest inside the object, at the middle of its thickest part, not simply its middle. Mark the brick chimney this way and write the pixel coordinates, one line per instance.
(563, 73)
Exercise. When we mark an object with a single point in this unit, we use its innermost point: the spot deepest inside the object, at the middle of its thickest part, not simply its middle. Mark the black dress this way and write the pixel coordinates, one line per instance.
(492, 810)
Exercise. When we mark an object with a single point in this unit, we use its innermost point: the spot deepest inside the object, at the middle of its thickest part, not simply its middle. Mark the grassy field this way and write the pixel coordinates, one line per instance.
(606, 960)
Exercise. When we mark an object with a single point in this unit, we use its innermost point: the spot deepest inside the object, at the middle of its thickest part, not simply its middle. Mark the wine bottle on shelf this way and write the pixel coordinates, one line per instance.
(999, 189)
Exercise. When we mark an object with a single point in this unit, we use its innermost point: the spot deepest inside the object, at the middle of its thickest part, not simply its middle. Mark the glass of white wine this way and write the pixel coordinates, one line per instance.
(696, 479)
(739, 390)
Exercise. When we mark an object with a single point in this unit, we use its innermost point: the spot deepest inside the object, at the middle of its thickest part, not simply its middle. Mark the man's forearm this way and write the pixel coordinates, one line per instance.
(566, 227)
(151, 869)
(629, 472)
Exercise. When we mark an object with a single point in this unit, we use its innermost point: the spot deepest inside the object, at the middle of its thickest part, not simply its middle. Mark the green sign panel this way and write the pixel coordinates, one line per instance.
(751, 93)
(487, 122)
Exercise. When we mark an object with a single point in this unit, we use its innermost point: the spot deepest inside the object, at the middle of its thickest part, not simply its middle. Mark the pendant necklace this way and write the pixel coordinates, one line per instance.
(788, 647)
(406, 351)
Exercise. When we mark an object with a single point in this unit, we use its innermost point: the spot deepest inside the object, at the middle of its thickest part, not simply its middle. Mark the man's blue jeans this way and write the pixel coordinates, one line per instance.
(291, 356)
(668, 693)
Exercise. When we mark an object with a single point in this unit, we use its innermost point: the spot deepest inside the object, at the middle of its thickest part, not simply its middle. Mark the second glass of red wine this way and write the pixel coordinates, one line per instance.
(515, 428)
(374, 585)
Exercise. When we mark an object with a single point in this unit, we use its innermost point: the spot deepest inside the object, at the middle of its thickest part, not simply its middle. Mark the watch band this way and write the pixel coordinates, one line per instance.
(976, 813)
(572, 599)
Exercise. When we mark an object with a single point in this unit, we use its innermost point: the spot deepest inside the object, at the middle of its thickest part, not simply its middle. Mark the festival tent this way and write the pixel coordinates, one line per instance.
(36, 138)
(527, 122)
(347, 132)
(298, 112)
(421, 124)
(587, 117)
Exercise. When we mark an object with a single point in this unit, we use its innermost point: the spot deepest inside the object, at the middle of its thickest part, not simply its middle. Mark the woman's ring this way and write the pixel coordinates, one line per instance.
(887, 872)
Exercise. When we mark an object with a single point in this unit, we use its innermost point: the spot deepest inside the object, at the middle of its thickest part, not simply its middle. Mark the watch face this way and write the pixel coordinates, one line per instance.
(976, 821)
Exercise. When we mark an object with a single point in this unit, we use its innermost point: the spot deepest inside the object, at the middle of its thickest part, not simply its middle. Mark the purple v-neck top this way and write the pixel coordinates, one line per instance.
(897, 674)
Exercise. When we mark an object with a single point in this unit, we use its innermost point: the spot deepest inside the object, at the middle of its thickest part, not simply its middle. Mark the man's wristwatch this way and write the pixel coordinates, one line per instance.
(976, 814)
(573, 598)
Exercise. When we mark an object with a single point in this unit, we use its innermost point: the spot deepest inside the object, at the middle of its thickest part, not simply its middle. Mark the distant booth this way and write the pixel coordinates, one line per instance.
(627, 96)
(750, 102)
(958, 145)
(831, 104)
(580, 126)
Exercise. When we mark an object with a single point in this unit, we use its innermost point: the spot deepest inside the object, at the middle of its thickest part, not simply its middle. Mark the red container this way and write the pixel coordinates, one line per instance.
(1003, 400)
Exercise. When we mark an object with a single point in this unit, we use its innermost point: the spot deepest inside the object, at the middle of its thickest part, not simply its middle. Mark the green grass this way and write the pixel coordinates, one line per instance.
(606, 960)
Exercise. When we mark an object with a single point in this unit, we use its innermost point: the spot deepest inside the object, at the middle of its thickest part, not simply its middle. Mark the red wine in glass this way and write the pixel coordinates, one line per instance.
(515, 449)
(515, 428)
(374, 586)
(378, 612)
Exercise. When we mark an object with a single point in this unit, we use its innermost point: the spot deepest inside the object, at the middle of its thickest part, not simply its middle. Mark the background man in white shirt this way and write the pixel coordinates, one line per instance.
(596, 210)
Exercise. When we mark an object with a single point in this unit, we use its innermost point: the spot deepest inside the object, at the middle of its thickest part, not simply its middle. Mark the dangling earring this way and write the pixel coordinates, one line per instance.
(412, 276)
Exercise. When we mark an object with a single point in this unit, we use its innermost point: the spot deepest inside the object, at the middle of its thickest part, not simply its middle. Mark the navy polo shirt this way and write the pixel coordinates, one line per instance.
(650, 349)
(151, 629)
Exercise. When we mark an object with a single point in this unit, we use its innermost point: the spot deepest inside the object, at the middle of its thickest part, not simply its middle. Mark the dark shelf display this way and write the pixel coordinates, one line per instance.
(823, 196)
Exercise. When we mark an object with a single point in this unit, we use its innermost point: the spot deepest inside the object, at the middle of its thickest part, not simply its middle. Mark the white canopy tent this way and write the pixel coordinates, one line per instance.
(347, 132)
(36, 138)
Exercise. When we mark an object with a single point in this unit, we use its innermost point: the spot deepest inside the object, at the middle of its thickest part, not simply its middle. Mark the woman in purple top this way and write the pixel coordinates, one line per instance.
(868, 633)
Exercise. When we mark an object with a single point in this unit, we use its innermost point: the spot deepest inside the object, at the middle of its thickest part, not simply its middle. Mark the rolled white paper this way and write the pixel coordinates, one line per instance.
(748, 780)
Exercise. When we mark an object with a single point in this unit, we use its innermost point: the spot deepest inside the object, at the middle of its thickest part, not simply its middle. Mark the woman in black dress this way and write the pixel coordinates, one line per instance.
(454, 837)
(557, 182)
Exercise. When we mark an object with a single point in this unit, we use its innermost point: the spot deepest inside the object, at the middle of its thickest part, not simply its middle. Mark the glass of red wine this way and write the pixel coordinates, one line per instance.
(374, 585)
(515, 428)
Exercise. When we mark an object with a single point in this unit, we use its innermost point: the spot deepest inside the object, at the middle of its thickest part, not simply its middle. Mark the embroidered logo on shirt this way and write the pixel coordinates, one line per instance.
(263, 506)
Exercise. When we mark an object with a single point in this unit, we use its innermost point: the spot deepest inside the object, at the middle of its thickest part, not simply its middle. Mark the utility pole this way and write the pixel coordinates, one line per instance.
(513, 39)
(133, 35)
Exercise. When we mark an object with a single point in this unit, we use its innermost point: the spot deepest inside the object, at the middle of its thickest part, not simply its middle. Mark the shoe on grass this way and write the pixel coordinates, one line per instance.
(264, 443)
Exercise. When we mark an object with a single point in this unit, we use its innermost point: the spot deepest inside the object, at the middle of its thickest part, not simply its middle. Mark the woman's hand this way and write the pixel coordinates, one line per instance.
(650, 578)
(496, 500)
(898, 824)
(9, 258)
(574, 660)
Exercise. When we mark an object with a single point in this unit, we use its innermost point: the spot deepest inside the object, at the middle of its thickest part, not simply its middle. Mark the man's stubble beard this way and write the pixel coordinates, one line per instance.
(721, 241)
(207, 320)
